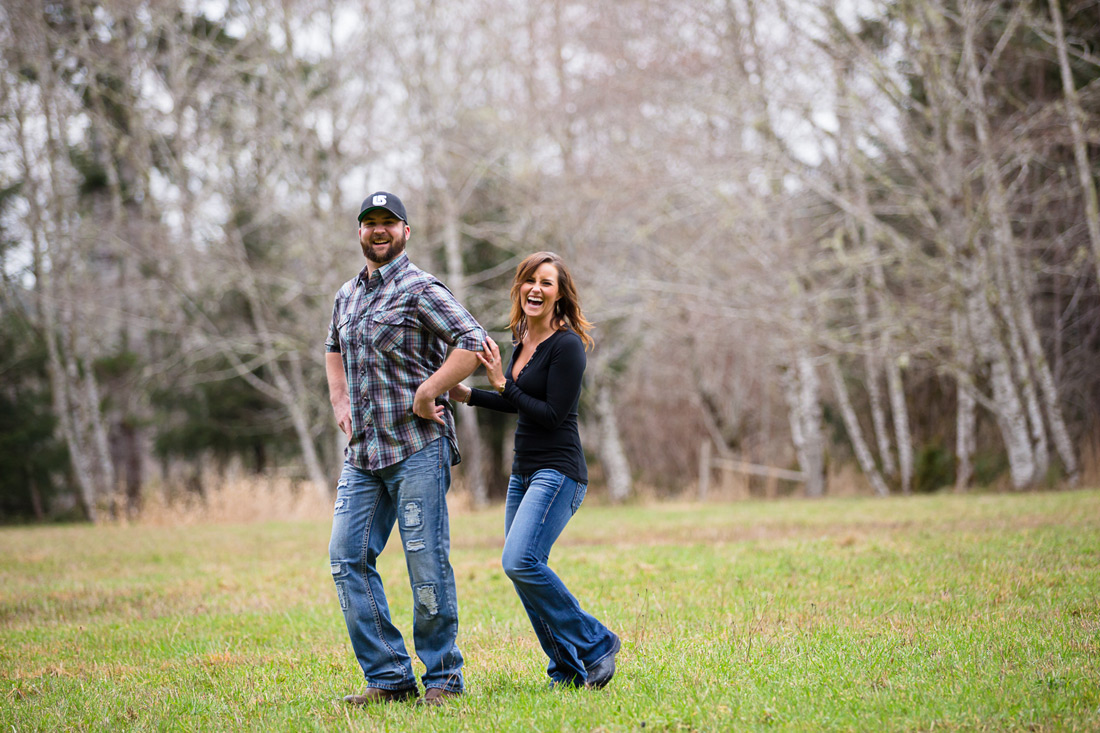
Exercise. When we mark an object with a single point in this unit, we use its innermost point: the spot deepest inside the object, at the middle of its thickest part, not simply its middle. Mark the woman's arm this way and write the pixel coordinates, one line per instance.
(490, 400)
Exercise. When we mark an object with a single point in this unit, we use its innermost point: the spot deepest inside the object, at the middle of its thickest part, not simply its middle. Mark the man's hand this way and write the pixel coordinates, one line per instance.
(424, 405)
(458, 365)
(343, 417)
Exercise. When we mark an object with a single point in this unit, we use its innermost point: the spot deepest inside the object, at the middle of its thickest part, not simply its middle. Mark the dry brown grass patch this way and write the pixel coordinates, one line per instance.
(238, 501)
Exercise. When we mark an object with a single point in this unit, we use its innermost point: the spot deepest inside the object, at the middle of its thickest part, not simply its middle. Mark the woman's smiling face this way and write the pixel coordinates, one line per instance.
(539, 292)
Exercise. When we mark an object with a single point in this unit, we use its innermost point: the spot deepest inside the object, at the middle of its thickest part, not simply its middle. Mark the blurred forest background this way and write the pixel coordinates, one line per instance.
(857, 241)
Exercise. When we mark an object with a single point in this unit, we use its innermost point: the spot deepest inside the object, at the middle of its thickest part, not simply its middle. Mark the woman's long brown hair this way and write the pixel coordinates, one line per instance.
(567, 311)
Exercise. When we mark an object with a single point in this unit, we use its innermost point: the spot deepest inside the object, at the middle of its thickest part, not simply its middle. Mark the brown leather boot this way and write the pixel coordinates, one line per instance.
(437, 696)
(380, 694)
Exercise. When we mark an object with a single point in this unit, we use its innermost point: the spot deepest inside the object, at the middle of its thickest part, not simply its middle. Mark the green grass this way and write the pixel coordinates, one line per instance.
(935, 612)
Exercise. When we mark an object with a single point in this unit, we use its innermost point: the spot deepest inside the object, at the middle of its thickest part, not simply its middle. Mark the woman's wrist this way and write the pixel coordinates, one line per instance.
(500, 387)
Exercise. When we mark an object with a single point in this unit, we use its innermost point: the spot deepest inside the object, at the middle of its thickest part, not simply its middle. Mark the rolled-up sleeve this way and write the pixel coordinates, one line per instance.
(332, 343)
(443, 315)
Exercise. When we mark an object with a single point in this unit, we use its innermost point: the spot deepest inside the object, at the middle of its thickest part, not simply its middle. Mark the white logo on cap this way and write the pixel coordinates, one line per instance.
(379, 201)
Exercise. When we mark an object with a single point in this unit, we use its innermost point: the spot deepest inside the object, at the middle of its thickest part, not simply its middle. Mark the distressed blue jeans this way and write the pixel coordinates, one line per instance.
(538, 507)
(413, 493)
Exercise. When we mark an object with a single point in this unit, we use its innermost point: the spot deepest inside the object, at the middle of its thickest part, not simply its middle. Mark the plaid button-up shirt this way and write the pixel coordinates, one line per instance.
(392, 329)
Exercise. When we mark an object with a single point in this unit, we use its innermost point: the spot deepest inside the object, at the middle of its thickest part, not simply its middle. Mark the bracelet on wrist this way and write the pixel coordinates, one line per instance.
(500, 389)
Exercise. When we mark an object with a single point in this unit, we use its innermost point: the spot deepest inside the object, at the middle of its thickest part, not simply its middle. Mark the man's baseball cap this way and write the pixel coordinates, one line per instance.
(384, 200)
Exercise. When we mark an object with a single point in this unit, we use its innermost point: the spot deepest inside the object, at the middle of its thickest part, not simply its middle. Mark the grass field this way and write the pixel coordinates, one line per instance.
(936, 612)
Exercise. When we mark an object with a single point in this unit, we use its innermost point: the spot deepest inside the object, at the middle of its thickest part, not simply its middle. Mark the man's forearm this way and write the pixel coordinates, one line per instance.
(337, 381)
(458, 365)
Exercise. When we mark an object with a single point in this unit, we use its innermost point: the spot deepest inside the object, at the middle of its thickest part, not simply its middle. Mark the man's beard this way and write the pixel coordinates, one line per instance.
(397, 246)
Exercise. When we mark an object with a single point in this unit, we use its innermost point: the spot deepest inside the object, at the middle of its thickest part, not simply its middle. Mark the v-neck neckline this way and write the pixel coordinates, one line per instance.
(534, 351)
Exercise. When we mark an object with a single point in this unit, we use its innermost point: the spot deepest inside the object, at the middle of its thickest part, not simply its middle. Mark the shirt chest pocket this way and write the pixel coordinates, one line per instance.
(394, 328)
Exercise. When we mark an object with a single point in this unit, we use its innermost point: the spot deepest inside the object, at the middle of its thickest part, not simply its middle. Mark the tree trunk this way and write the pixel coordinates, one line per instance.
(82, 465)
(1014, 427)
(1006, 404)
(1026, 387)
(616, 467)
(105, 465)
(901, 422)
(855, 432)
(801, 389)
(966, 407)
(872, 365)
(299, 413)
(473, 456)
(300, 419)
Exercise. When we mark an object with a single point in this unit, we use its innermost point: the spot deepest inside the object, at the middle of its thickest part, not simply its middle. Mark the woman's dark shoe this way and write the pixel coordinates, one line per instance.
(379, 694)
(600, 673)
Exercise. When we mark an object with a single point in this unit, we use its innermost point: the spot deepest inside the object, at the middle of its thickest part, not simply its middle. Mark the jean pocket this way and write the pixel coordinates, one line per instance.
(578, 496)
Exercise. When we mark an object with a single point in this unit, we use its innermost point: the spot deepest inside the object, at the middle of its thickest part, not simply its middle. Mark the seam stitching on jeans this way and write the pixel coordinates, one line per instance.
(370, 593)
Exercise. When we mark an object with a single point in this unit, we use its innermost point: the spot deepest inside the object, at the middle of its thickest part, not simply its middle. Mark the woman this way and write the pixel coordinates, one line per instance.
(549, 475)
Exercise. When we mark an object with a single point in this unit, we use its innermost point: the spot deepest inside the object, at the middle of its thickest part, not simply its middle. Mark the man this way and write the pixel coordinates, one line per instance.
(391, 326)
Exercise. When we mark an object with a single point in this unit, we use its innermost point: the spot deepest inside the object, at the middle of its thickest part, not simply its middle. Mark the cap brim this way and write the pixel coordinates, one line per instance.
(364, 212)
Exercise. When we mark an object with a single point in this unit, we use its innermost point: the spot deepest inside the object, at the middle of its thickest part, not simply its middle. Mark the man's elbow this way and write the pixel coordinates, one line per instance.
(466, 360)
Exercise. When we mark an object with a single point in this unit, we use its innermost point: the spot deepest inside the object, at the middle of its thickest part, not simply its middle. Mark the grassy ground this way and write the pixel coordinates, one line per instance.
(943, 612)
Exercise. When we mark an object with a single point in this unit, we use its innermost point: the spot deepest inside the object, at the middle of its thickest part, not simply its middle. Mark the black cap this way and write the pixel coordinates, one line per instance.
(383, 200)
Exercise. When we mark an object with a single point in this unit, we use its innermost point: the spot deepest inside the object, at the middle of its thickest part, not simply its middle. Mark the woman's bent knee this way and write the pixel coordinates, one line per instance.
(518, 565)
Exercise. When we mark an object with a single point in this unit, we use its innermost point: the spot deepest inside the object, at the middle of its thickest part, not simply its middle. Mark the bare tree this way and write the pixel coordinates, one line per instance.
(60, 277)
(1076, 117)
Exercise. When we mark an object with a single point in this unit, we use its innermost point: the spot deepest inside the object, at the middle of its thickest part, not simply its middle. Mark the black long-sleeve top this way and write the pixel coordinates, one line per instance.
(546, 395)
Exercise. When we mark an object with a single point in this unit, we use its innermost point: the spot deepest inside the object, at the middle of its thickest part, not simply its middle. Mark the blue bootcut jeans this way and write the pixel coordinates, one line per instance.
(413, 493)
(538, 507)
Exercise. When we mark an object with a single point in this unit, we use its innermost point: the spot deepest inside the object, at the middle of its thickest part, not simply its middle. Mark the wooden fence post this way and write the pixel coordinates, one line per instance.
(704, 469)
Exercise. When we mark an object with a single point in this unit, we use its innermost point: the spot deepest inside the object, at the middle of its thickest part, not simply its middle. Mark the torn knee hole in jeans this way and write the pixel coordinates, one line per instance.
(426, 597)
(413, 516)
(414, 545)
(342, 594)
